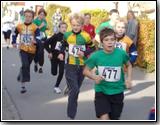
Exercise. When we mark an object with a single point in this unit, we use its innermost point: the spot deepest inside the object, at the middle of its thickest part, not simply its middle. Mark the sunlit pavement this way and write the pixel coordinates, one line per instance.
(41, 103)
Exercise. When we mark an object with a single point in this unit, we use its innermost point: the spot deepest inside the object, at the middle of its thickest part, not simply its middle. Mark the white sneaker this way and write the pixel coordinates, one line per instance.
(57, 90)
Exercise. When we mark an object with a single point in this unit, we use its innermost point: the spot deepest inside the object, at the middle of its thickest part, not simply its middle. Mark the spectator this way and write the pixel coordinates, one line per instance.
(57, 18)
(132, 28)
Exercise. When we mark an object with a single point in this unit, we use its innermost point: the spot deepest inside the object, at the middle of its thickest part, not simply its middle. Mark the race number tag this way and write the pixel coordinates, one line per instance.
(74, 49)
(26, 38)
(121, 45)
(42, 35)
(110, 74)
(58, 46)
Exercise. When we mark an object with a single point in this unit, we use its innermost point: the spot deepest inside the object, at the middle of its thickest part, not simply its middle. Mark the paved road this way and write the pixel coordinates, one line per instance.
(41, 103)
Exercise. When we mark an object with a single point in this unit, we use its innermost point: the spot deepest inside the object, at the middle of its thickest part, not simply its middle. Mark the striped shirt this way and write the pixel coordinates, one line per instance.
(77, 42)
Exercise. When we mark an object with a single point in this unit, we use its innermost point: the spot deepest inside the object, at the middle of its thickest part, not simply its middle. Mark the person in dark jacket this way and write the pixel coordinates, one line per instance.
(55, 43)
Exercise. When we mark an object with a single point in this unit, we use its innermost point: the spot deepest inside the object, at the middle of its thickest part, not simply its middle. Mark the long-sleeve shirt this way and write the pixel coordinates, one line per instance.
(28, 32)
(127, 44)
(53, 44)
(77, 42)
(38, 22)
(90, 29)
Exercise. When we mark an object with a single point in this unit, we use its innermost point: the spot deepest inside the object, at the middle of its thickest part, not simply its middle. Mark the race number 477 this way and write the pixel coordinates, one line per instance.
(111, 74)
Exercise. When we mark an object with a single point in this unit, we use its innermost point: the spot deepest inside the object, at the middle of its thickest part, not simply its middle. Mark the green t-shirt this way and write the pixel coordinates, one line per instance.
(38, 22)
(103, 25)
(110, 67)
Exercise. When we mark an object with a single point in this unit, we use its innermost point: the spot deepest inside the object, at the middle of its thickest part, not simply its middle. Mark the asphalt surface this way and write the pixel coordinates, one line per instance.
(41, 103)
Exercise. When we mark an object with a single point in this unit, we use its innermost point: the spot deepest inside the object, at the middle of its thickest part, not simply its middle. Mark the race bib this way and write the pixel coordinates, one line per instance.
(26, 38)
(110, 74)
(42, 35)
(58, 46)
(121, 45)
(74, 49)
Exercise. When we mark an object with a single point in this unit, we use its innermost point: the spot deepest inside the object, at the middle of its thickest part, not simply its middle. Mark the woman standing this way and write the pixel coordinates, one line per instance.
(132, 28)
(41, 22)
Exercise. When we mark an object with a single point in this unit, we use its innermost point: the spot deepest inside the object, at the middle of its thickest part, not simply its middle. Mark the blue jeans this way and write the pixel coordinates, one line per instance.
(26, 60)
(74, 78)
(39, 56)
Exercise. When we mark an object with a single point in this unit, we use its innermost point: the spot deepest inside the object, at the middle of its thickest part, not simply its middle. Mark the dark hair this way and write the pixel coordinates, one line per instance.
(106, 32)
(42, 11)
(29, 11)
(130, 11)
(87, 14)
(113, 11)
(62, 23)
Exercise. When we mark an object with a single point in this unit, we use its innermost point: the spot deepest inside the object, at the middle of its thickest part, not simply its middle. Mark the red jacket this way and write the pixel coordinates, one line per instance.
(90, 29)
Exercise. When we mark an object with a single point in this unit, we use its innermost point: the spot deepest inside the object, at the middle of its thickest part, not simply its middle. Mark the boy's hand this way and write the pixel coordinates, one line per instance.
(42, 24)
(128, 84)
(60, 57)
(80, 54)
(98, 79)
(50, 56)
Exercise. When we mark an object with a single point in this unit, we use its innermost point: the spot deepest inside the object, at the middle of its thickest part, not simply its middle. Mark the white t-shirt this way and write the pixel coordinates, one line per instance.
(7, 23)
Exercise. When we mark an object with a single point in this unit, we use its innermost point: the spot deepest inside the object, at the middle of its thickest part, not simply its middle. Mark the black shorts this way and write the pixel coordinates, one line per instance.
(7, 34)
(109, 104)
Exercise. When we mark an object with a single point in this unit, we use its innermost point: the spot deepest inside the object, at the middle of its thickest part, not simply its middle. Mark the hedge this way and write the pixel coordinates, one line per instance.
(146, 45)
(51, 9)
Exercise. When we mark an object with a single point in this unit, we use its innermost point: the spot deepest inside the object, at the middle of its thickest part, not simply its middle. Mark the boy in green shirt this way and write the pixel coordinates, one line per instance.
(113, 18)
(109, 78)
(41, 23)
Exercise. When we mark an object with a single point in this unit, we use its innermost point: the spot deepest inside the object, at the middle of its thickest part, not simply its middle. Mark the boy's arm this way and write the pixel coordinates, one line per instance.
(49, 42)
(88, 72)
(90, 47)
(62, 50)
(129, 76)
(37, 35)
(63, 47)
(133, 53)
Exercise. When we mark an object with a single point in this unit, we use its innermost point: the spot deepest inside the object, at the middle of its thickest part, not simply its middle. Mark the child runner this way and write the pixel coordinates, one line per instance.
(109, 80)
(77, 41)
(88, 27)
(55, 43)
(113, 17)
(29, 36)
(41, 23)
(124, 42)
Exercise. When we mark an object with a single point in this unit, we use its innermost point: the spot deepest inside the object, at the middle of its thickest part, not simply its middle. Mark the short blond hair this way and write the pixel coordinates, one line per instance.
(122, 20)
(78, 17)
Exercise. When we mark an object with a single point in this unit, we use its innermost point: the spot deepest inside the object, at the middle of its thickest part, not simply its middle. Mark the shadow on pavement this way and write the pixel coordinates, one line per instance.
(137, 109)
(140, 86)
